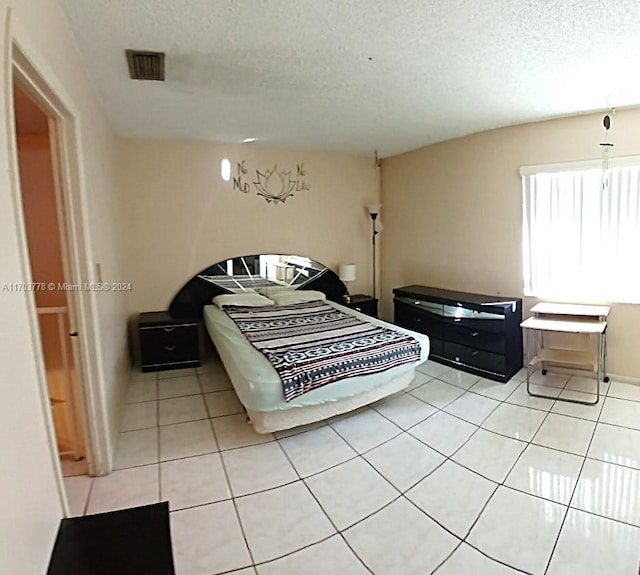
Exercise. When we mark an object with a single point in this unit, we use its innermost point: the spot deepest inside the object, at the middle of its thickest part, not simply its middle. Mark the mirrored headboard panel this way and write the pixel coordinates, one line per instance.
(258, 272)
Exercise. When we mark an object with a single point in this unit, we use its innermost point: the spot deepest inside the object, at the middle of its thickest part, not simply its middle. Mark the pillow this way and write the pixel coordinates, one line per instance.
(268, 291)
(242, 299)
(297, 296)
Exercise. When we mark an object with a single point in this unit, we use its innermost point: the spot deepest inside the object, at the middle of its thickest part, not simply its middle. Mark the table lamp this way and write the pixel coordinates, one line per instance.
(347, 274)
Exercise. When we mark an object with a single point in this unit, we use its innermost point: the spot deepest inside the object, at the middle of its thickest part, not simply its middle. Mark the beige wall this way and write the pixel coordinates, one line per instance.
(453, 213)
(28, 489)
(181, 216)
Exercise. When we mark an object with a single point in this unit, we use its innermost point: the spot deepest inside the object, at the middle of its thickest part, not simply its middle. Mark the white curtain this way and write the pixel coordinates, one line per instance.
(581, 239)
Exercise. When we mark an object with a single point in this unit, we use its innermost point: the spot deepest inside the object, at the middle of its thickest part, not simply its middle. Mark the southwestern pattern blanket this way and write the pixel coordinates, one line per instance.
(312, 344)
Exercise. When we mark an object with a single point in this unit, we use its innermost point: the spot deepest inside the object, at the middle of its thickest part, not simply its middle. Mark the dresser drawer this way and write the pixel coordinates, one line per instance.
(478, 358)
(436, 347)
(478, 339)
(418, 320)
(478, 323)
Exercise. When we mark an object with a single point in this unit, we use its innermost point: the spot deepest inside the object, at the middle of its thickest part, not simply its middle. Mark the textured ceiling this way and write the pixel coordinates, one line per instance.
(355, 75)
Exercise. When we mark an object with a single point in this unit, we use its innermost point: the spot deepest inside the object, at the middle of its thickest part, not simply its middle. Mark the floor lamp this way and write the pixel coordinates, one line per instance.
(374, 210)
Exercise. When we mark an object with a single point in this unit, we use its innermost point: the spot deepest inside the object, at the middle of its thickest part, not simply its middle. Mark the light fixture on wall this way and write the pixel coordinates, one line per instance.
(374, 211)
(347, 274)
(225, 169)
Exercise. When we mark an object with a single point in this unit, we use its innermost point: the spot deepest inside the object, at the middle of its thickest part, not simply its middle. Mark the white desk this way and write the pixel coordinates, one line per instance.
(568, 318)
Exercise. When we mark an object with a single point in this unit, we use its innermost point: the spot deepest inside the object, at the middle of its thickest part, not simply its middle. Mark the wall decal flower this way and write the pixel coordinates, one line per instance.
(274, 186)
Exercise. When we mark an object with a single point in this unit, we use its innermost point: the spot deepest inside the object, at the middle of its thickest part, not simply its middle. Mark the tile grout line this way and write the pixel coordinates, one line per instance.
(515, 405)
(85, 507)
(573, 492)
(158, 445)
(400, 496)
(356, 454)
(233, 499)
(497, 485)
(502, 484)
(407, 431)
(338, 531)
(448, 458)
(478, 426)
(460, 543)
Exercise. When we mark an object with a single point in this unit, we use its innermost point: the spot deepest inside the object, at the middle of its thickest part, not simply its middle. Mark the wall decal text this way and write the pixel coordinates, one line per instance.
(274, 185)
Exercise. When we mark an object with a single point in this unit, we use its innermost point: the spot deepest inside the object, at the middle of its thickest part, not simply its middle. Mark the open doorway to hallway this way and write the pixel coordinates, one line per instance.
(45, 225)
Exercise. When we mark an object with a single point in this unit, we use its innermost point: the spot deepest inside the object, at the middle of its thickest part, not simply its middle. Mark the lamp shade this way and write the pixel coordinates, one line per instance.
(348, 272)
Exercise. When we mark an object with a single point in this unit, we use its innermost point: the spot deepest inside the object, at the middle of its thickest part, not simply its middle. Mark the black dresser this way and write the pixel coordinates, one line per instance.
(166, 342)
(476, 333)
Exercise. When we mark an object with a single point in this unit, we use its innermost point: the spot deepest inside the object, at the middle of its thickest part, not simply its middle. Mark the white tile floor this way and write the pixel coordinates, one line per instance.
(457, 475)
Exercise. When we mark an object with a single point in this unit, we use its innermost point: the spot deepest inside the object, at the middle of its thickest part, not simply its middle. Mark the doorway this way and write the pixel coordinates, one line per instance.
(45, 228)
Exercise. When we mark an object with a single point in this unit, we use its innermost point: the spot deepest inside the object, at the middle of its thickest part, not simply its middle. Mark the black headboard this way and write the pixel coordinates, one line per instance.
(254, 271)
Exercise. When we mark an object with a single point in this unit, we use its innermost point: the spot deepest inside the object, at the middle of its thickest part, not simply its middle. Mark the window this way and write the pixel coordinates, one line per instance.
(581, 232)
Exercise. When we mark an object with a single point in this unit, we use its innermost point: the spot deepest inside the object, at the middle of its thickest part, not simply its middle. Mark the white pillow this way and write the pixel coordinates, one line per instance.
(268, 291)
(242, 299)
(297, 296)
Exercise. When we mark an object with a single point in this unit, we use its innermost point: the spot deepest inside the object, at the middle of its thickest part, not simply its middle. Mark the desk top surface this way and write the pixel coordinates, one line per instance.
(571, 309)
(568, 326)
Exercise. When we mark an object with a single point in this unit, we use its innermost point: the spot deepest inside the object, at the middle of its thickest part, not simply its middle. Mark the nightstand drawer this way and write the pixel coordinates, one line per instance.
(177, 345)
(369, 308)
(364, 304)
(169, 344)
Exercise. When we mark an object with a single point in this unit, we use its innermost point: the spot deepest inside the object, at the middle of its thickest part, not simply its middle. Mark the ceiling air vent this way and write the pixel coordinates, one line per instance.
(145, 65)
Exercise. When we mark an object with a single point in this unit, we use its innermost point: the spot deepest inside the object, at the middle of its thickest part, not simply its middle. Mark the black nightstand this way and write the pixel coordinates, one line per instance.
(167, 343)
(364, 304)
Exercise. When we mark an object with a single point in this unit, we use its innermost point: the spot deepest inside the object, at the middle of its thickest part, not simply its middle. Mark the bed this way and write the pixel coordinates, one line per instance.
(260, 388)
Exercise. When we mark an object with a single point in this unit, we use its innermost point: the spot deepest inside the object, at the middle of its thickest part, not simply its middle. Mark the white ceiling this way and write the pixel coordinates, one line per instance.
(356, 75)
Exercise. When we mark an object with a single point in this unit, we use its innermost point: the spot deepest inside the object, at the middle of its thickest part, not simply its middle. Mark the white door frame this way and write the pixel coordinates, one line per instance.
(83, 311)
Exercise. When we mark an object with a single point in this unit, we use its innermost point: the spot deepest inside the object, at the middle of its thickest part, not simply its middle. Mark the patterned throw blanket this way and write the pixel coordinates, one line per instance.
(312, 344)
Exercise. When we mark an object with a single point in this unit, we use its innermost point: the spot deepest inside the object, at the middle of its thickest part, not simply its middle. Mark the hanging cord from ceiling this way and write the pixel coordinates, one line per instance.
(606, 149)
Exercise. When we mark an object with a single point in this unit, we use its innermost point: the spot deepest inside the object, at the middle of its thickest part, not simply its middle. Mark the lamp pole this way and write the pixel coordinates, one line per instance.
(373, 221)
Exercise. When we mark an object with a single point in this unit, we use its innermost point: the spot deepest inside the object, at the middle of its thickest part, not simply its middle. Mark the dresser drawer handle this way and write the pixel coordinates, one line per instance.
(169, 329)
(170, 347)
(474, 333)
(475, 352)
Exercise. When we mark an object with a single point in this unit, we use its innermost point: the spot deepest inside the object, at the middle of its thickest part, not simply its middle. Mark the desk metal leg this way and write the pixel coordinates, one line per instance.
(600, 368)
(526, 356)
(605, 377)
